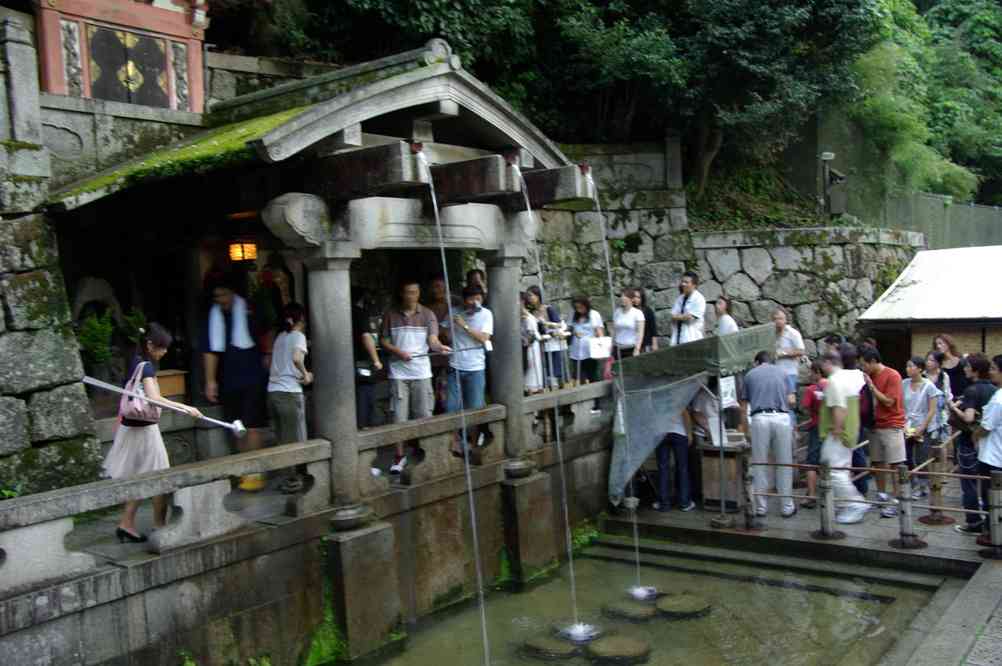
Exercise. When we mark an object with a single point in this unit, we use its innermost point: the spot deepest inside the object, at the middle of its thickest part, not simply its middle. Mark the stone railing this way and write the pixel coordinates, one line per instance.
(33, 528)
(429, 442)
(576, 412)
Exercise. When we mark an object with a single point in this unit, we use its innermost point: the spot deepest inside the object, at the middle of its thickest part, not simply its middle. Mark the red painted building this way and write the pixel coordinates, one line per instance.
(147, 52)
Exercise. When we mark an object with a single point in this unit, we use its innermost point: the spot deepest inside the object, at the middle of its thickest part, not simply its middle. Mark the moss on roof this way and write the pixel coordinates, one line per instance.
(218, 148)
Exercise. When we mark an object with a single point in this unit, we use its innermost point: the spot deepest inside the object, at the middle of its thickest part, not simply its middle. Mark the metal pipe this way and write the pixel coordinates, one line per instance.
(751, 520)
(813, 497)
(907, 539)
(237, 426)
(875, 470)
(723, 520)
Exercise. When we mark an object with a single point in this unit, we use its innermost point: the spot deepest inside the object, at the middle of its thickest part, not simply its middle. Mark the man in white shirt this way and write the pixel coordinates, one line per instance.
(474, 326)
(989, 438)
(789, 349)
(688, 313)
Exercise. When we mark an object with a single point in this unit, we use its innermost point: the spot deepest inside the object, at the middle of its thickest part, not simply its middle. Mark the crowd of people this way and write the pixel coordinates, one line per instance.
(434, 354)
(860, 413)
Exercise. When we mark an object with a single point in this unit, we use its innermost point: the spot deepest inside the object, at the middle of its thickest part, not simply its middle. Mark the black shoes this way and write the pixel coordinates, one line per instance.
(125, 535)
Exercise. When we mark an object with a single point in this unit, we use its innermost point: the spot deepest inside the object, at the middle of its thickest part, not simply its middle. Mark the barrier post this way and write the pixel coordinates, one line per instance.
(826, 504)
(935, 516)
(994, 551)
(752, 522)
(907, 539)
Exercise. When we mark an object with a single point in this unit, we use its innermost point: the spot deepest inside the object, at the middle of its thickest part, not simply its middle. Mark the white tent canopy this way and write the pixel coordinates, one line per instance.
(955, 284)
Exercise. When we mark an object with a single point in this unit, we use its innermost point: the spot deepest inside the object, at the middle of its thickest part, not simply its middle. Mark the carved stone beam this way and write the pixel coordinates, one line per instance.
(299, 220)
(547, 186)
(474, 180)
(422, 130)
(349, 137)
(379, 170)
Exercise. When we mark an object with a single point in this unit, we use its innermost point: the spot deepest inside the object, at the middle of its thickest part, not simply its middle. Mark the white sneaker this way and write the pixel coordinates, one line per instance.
(851, 515)
(399, 465)
(920, 493)
(689, 507)
(883, 497)
(889, 511)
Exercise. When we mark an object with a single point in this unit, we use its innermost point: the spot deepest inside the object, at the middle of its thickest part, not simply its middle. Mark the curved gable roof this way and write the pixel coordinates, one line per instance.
(275, 124)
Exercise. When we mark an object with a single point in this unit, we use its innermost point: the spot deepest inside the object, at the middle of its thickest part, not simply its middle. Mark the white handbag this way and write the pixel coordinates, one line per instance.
(600, 347)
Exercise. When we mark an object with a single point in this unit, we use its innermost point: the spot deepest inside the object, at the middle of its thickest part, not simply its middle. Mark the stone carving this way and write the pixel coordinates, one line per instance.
(179, 73)
(299, 220)
(71, 58)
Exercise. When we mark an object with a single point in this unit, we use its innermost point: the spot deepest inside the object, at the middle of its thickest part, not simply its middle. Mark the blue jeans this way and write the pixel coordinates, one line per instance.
(472, 383)
(967, 461)
(679, 445)
(365, 400)
(859, 459)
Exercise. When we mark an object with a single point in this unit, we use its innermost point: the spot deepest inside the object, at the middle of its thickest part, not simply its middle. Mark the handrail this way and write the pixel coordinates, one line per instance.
(386, 435)
(568, 396)
(73, 500)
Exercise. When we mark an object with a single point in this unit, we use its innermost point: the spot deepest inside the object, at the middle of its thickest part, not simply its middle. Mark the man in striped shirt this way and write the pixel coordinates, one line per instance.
(410, 330)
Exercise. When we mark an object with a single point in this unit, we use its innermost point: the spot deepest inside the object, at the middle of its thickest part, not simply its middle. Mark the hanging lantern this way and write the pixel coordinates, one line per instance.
(243, 251)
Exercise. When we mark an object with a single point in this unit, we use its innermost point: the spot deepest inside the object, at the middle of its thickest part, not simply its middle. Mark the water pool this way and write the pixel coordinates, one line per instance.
(757, 616)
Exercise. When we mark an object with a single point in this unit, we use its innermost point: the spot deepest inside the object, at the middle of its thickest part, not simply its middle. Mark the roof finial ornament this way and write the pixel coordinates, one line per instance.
(438, 50)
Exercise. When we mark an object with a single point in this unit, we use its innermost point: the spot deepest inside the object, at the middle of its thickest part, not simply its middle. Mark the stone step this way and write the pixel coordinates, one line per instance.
(622, 548)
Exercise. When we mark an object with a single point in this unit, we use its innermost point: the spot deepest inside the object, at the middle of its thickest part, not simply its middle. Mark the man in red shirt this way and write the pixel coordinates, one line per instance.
(887, 439)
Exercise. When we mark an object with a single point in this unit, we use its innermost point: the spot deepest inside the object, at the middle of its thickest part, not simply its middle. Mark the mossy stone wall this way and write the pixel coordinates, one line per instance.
(46, 429)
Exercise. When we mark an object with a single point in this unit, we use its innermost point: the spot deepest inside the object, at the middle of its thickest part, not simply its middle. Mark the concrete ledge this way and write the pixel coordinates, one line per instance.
(565, 397)
(807, 236)
(374, 438)
(120, 110)
(42, 507)
(136, 575)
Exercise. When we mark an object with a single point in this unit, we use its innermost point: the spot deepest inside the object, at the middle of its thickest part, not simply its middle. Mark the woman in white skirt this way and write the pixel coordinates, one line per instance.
(138, 446)
(531, 338)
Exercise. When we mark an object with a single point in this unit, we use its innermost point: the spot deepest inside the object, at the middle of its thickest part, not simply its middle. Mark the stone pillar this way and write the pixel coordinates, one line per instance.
(24, 162)
(362, 570)
(504, 271)
(333, 360)
(22, 82)
(528, 525)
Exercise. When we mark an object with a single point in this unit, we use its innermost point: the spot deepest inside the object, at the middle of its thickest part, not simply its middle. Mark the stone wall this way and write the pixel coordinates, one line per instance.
(823, 277)
(232, 75)
(46, 429)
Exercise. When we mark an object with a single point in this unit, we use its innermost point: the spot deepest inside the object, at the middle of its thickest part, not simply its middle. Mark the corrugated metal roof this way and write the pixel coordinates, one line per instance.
(956, 284)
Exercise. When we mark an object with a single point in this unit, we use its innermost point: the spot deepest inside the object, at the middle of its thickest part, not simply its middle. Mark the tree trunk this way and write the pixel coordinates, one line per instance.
(709, 141)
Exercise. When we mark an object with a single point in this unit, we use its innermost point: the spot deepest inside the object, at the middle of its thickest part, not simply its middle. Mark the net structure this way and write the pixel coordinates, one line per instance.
(658, 385)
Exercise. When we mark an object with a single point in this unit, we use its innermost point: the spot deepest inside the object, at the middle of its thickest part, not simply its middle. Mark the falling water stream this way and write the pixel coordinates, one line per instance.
(462, 416)
(638, 591)
(577, 624)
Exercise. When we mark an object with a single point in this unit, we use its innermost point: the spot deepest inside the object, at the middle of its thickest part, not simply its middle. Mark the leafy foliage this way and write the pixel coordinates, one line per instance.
(921, 78)
(95, 337)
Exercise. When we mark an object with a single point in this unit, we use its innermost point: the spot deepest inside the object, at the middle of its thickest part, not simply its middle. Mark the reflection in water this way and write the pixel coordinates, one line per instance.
(758, 617)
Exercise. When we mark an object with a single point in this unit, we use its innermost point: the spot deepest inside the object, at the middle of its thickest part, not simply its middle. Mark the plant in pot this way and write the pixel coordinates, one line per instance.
(94, 334)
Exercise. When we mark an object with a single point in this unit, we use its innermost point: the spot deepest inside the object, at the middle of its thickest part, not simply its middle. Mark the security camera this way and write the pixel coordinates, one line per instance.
(827, 157)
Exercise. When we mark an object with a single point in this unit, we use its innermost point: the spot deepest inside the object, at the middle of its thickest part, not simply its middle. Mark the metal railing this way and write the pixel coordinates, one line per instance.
(905, 502)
